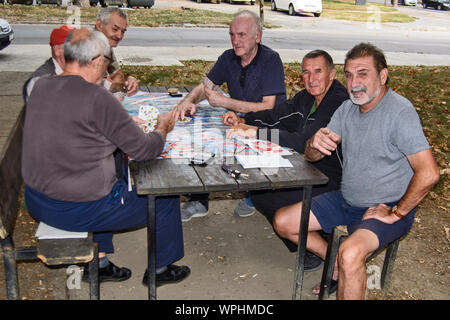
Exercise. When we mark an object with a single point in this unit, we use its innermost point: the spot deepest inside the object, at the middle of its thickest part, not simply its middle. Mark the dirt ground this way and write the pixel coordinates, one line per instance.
(421, 271)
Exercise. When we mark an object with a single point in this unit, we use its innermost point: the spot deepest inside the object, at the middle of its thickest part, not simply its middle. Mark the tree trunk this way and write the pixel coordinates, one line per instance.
(261, 10)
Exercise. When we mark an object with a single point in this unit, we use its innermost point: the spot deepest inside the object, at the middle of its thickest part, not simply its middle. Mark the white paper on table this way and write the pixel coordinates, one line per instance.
(263, 161)
(45, 231)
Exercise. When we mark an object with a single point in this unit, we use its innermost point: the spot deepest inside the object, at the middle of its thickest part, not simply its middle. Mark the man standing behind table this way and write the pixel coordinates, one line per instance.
(254, 76)
(295, 121)
(72, 127)
(54, 65)
(113, 23)
(388, 169)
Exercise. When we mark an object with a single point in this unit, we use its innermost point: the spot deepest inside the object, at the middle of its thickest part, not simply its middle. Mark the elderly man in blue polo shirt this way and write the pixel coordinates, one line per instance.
(254, 76)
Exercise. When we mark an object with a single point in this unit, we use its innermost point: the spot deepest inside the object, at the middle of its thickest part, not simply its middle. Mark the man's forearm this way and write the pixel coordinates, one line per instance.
(195, 96)
(426, 175)
(245, 106)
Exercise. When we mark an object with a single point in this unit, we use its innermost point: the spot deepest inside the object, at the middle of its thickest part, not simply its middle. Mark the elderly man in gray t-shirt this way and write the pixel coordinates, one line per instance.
(388, 169)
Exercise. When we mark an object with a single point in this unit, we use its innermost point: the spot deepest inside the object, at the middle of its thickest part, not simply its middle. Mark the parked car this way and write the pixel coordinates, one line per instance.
(216, 1)
(106, 3)
(141, 3)
(122, 3)
(57, 2)
(408, 2)
(298, 6)
(437, 4)
(26, 2)
(252, 2)
(6, 34)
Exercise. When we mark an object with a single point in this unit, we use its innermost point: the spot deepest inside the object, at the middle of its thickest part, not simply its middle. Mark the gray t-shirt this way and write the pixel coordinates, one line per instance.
(375, 145)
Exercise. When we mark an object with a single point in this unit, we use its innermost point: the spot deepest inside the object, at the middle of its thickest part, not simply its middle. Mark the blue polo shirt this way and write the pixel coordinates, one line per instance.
(264, 76)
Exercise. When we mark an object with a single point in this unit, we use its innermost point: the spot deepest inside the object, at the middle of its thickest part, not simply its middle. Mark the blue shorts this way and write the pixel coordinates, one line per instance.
(331, 210)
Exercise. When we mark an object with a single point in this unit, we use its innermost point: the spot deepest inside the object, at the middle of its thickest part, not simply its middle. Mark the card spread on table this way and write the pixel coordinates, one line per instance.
(263, 161)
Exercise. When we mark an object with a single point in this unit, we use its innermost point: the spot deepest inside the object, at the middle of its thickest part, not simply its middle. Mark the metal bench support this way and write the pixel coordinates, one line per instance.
(12, 255)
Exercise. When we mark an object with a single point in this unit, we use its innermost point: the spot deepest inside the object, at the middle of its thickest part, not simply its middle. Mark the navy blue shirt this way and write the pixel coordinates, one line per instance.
(264, 76)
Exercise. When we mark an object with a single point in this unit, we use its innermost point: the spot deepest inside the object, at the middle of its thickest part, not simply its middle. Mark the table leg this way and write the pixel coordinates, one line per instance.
(151, 246)
(301, 247)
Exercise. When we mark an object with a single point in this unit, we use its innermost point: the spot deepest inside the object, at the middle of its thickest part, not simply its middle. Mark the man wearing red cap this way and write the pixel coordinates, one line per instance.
(54, 65)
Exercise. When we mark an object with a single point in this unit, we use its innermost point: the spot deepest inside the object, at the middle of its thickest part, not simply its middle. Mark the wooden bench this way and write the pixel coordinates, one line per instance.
(51, 252)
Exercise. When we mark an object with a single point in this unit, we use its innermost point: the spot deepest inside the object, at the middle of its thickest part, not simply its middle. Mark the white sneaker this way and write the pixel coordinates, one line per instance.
(192, 209)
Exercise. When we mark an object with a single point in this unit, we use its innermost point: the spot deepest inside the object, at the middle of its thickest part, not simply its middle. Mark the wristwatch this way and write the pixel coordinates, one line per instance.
(394, 210)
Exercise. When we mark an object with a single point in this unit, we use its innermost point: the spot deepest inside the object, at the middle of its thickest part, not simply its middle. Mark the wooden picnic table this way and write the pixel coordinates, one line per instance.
(164, 177)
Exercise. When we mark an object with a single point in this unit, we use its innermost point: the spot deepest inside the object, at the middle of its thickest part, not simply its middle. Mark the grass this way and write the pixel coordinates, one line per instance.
(137, 18)
(426, 87)
(333, 9)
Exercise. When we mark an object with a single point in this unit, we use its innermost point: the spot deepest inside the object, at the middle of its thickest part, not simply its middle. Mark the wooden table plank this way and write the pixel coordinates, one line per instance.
(165, 176)
(143, 88)
(182, 89)
(215, 179)
(189, 88)
(256, 179)
(157, 89)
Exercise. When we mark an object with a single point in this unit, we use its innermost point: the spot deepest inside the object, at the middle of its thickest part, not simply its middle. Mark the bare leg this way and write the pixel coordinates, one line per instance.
(352, 256)
(287, 222)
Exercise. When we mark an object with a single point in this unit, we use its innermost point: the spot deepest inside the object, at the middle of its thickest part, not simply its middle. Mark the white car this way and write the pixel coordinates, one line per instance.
(298, 6)
(408, 2)
(6, 34)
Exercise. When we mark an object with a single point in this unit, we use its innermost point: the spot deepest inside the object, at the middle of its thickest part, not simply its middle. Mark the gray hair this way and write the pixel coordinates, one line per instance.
(83, 45)
(256, 19)
(320, 53)
(104, 14)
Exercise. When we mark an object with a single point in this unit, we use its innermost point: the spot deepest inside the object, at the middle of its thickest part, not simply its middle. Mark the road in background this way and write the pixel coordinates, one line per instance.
(425, 41)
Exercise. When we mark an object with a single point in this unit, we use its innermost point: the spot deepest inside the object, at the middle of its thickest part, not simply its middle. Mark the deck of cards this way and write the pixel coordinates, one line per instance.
(150, 115)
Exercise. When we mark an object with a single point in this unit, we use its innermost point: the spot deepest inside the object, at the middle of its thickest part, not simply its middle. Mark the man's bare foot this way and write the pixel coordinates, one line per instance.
(333, 287)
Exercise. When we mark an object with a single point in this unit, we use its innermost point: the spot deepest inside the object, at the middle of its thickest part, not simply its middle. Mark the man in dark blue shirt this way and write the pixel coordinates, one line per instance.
(254, 76)
(253, 72)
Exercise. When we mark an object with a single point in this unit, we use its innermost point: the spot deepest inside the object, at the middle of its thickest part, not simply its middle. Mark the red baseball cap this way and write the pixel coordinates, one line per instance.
(58, 36)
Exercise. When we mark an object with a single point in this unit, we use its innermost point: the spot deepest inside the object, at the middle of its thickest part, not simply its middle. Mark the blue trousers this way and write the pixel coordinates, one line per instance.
(119, 210)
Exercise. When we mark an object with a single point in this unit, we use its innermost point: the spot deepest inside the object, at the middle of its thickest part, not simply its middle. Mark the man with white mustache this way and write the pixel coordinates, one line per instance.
(113, 23)
(388, 169)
